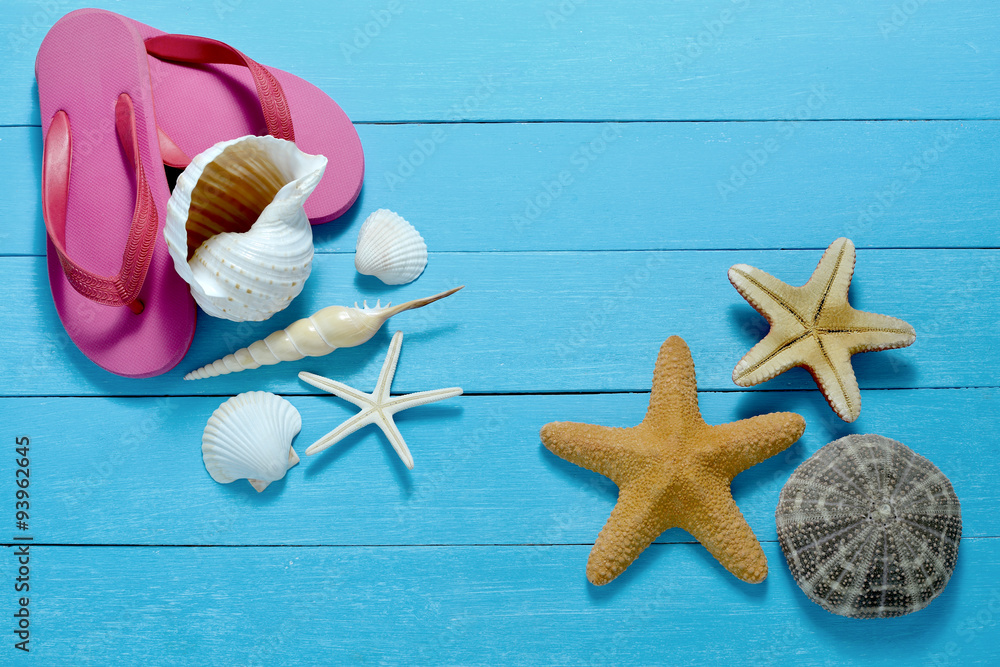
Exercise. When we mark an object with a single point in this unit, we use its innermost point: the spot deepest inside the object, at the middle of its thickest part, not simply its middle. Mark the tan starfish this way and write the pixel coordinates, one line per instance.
(814, 326)
(673, 469)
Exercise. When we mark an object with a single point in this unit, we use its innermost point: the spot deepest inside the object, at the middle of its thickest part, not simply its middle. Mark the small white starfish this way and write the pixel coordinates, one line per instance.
(377, 407)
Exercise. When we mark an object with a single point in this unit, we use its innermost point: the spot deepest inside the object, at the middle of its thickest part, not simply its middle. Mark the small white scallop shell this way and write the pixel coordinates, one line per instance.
(236, 228)
(390, 249)
(250, 437)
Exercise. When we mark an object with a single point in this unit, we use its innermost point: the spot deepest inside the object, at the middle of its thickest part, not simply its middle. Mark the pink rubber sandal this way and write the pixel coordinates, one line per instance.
(207, 91)
(104, 194)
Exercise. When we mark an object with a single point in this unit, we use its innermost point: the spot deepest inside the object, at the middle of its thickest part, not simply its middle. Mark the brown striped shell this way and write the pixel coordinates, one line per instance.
(236, 227)
(870, 528)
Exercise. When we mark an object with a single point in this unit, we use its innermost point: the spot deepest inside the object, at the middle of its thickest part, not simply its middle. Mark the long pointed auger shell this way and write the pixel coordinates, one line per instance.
(313, 336)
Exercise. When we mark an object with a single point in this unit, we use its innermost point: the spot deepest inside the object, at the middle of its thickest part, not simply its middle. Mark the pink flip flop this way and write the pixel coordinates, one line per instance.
(207, 91)
(104, 195)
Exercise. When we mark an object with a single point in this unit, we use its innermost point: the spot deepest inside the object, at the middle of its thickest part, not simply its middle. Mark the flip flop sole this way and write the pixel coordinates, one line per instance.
(85, 62)
(198, 106)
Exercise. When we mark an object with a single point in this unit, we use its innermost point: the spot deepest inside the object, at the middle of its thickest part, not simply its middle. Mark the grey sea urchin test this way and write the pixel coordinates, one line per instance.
(870, 528)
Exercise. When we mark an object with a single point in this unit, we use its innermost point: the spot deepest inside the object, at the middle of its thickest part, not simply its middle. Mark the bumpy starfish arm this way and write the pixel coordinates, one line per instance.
(835, 377)
(771, 357)
(632, 526)
(675, 391)
(867, 332)
(832, 277)
(602, 449)
(336, 435)
(340, 389)
(719, 525)
(744, 444)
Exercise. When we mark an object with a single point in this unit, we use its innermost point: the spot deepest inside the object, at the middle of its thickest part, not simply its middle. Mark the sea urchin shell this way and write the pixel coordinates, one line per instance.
(870, 529)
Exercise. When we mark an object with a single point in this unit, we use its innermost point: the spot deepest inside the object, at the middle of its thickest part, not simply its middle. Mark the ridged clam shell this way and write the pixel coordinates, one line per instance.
(236, 228)
(870, 529)
(250, 437)
(390, 249)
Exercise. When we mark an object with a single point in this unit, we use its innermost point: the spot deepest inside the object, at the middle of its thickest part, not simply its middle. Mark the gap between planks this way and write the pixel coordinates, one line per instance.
(320, 251)
(474, 545)
(500, 394)
(599, 121)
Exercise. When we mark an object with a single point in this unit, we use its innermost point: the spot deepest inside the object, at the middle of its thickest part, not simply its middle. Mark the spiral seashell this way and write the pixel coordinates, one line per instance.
(313, 336)
(870, 529)
(250, 437)
(390, 249)
(236, 229)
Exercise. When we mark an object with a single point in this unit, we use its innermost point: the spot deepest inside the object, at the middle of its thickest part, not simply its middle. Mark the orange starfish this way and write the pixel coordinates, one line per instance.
(673, 469)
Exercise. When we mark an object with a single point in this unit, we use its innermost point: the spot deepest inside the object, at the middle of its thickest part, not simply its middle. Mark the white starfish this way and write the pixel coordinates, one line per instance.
(377, 407)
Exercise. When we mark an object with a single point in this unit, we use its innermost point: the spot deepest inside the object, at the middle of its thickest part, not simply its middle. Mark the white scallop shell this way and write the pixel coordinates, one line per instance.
(257, 186)
(390, 249)
(250, 437)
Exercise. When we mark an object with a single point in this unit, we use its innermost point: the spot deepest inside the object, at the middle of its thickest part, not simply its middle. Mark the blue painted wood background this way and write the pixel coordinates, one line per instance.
(872, 119)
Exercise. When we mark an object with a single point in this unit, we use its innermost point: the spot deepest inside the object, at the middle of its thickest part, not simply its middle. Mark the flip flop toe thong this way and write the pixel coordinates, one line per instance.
(104, 194)
(207, 91)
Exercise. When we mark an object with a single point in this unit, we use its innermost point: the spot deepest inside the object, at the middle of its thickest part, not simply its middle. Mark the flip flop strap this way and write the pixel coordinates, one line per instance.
(192, 49)
(121, 289)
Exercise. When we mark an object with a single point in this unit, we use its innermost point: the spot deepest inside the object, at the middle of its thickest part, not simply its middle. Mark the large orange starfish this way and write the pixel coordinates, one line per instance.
(673, 469)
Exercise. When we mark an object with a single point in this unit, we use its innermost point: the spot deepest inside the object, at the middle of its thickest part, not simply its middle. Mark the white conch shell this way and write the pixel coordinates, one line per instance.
(390, 249)
(313, 336)
(250, 437)
(236, 228)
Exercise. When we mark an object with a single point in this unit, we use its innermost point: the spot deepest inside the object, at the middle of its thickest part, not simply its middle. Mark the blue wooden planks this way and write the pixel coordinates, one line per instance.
(688, 60)
(483, 605)
(595, 321)
(130, 470)
(642, 186)
(583, 245)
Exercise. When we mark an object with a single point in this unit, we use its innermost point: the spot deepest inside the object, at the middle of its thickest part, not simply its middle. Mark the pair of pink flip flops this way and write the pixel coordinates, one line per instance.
(118, 100)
